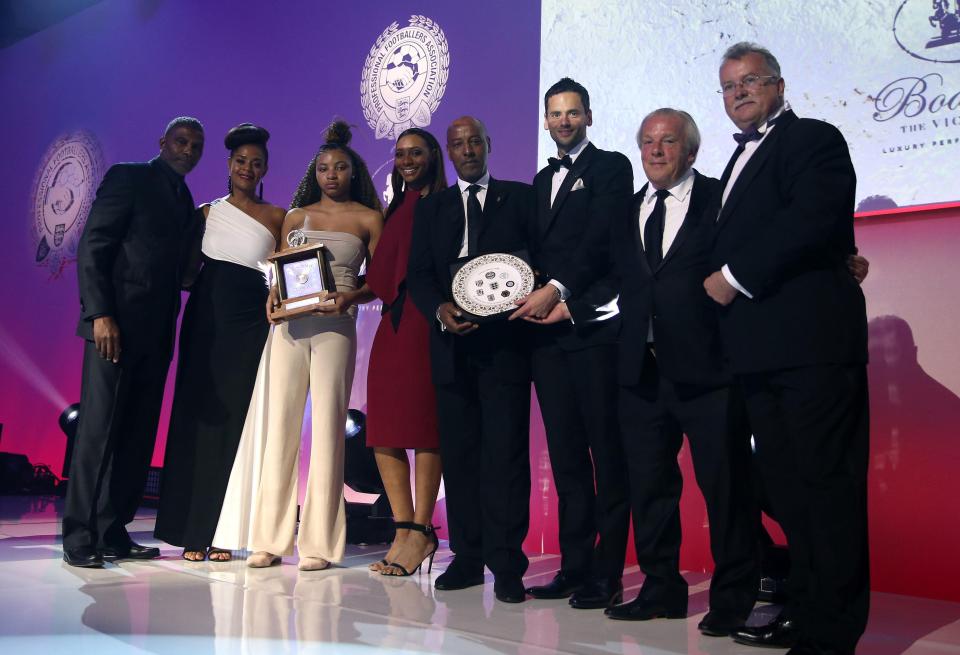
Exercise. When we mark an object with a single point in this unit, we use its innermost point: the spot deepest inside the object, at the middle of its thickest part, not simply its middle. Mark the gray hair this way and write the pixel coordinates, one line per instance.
(691, 131)
(740, 50)
(183, 121)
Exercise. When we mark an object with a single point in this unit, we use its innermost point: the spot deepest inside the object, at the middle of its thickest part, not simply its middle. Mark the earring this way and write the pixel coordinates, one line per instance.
(261, 189)
(229, 185)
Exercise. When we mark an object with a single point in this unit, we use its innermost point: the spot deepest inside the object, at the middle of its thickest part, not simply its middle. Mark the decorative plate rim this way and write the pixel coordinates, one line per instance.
(459, 283)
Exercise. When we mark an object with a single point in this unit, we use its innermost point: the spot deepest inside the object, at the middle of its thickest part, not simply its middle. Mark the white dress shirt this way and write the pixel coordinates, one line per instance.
(483, 183)
(676, 205)
(749, 149)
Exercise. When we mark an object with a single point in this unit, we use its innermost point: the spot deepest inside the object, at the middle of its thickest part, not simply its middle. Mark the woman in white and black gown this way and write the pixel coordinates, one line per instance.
(221, 338)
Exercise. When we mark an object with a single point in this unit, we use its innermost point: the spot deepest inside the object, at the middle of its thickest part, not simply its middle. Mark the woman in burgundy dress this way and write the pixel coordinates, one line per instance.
(401, 405)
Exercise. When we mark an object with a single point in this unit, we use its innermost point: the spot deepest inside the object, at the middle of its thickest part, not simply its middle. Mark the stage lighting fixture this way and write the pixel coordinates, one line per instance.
(360, 470)
(68, 424)
(356, 422)
(366, 523)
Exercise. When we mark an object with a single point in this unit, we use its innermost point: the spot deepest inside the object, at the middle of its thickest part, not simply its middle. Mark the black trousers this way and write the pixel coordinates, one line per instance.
(811, 426)
(484, 424)
(119, 412)
(577, 391)
(654, 416)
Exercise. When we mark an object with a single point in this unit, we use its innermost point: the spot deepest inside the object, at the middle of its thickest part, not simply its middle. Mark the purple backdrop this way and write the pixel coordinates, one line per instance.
(119, 70)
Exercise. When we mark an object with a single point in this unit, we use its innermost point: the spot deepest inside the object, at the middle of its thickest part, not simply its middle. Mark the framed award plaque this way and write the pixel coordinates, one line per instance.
(486, 287)
(301, 274)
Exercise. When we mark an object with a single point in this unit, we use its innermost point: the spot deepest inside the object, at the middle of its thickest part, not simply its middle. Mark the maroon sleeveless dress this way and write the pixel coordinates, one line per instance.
(401, 403)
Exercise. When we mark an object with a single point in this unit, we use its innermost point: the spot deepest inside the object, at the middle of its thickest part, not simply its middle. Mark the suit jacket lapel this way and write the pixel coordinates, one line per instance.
(496, 195)
(454, 222)
(544, 186)
(699, 198)
(574, 174)
(753, 166)
(639, 252)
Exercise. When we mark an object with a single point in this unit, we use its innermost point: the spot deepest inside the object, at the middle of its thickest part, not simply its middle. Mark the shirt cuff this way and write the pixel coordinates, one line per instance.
(564, 291)
(733, 281)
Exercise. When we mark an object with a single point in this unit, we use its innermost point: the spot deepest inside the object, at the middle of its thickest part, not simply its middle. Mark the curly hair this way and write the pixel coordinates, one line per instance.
(436, 176)
(361, 186)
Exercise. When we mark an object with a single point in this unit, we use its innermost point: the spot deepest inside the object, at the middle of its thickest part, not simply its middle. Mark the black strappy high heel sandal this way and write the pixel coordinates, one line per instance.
(431, 535)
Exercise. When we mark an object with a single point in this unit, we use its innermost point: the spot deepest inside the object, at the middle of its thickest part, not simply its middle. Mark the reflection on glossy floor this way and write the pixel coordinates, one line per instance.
(172, 606)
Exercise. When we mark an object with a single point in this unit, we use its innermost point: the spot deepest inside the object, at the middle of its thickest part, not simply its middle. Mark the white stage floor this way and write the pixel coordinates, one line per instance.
(172, 606)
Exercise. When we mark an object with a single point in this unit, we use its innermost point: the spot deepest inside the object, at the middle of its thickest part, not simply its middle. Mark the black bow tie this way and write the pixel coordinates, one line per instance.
(743, 138)
(564, 161)
(753, 134)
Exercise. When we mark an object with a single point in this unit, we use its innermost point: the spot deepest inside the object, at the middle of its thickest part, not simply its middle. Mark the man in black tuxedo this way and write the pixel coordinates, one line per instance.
(579, 196)
(793, 324)
(673, 382)
(481, 372)
(139, 235)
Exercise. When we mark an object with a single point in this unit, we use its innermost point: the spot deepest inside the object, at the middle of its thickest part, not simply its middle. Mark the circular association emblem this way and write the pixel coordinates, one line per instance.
(63, 191)
(404, 76)
(487, 285)
(296, 238)
(929, 30)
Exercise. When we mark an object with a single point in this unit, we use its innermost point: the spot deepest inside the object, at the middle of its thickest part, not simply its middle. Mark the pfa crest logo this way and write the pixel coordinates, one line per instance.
(929, 29)
(63, 191)
(404, 77)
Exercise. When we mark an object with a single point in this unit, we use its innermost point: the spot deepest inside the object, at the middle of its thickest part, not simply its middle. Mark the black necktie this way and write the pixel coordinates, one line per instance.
(556, 164)
(653, 230)
(474, 218)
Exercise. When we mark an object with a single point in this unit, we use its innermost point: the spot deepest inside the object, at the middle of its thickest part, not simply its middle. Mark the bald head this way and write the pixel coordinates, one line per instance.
(467, 121)
(468, 146)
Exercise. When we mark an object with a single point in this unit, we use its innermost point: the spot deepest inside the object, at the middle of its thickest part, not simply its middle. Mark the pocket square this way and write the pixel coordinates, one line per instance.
(578, 185)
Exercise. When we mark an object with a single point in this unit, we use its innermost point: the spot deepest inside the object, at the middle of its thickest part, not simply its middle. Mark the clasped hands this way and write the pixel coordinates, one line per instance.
(542, 306)
(336, 303)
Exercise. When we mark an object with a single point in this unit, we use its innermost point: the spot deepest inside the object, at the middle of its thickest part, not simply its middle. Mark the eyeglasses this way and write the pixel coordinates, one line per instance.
(750, 83)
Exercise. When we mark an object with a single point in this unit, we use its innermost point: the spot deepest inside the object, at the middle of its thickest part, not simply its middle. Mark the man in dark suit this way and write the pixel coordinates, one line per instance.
(579, 196)
(481, 372)
(673, 382)
(793, 324)
(130, 264)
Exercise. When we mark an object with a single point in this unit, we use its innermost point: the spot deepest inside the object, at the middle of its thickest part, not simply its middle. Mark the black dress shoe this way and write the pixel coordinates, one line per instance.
(562, 586)
(83, 556)
(643, 609)
(782, 633)
(509, 589)
(458, 577)
(720, 623)
(131, 551)
(597, 594)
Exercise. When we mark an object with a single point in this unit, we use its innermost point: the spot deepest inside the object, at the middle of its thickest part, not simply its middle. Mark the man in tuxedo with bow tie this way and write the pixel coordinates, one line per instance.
(793, 324)
(580, 194)
(481, 372)
(673, 382)
(131, 261)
